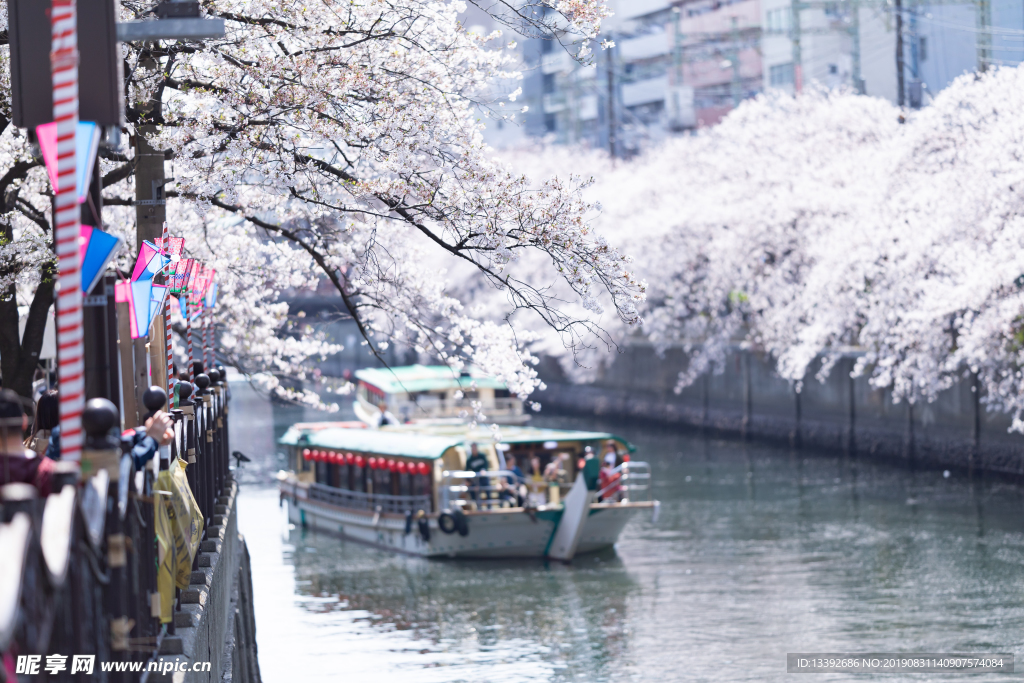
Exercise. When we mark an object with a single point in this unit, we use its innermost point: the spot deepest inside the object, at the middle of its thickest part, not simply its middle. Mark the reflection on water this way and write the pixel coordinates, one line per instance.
(759, 551)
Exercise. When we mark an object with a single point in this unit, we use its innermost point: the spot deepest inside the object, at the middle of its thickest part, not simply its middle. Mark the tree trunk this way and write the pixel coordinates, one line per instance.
(19, 357)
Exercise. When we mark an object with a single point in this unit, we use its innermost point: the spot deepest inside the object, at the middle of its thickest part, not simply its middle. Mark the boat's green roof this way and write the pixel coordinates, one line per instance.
(425, 441)
(413, 378)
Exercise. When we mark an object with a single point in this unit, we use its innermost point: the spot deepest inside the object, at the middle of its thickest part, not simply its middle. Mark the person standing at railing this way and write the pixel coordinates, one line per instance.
(17, 463)
(608, 483)
(47, 419)
(591, 470)
(477, 463)
(514, 487)
(386, 416)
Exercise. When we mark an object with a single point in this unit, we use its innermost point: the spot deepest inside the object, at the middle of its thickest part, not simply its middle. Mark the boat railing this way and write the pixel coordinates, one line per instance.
(451, 408)
(485, 490)
(358, 500)
(630, 483)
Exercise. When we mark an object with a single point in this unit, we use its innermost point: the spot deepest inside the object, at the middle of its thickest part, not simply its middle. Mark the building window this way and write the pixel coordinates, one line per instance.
(780, 75)
(833, 68)
(549, 83)
(549, 123)
(922, 50)
(547, 46)
(777, 20)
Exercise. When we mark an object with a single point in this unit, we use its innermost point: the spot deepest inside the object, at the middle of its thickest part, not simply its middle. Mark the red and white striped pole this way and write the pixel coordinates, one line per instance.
(207, 349)
(70, 367)
(188, 333)
(167, 322)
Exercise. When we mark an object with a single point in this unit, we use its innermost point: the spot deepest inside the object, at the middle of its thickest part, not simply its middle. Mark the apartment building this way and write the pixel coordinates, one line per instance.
(679, 65)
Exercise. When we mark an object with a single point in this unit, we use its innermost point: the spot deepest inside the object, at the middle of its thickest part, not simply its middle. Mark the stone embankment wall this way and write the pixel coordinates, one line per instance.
(216, 623)
(749, 399)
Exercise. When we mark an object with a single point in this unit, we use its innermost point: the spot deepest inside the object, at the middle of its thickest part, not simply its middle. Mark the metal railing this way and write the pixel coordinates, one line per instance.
(500, 488)
(453, 408)
(357, 500)
(484, 490)
(631, 484)
(80, 565)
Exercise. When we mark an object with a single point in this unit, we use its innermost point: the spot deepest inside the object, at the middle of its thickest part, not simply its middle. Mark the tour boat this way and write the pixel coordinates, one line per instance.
(407, 488)
(433, 393)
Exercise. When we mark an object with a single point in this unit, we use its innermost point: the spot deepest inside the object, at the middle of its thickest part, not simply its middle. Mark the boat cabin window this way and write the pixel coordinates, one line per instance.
(534, 459)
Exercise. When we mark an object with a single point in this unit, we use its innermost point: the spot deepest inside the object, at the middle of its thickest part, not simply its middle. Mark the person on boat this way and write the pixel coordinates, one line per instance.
(555, 471)
(47, 418)
(513, 485)
(17, 463)
(610, 448)
(477, 463)
(591, 470)
(536, 484)
(608, 482)
(386, 416)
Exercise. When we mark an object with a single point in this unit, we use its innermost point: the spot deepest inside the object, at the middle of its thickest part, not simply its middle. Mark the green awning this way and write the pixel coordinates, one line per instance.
(428, 441)
(416, 378)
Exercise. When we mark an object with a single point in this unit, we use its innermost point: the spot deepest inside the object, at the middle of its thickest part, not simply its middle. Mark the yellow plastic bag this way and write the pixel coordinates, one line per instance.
(179, 527)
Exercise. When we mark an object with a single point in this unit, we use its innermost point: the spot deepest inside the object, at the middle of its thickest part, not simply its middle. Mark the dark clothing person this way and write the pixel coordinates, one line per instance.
(477, 462)
(518, 479)
(17, 463)
(591, 471)
(140, 445)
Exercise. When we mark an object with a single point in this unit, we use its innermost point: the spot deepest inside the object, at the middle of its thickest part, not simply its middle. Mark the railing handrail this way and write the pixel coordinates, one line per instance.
(628, 471)
(453, 406)
(361, 500)
(445, 487)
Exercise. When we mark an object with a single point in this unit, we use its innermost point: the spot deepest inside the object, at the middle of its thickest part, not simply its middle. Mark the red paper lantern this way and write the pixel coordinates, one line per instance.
(402, 467)
(336, 458)
(349, 458)
(307, 454)
(371, 463)
(424, 468)
(360, 461)
(392, 466)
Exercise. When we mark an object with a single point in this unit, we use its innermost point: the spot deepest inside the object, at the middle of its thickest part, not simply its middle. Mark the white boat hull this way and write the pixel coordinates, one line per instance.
(499, 533)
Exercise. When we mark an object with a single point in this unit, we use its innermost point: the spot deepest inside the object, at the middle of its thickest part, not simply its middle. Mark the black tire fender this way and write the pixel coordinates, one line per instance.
(446, 522)
(461, 523)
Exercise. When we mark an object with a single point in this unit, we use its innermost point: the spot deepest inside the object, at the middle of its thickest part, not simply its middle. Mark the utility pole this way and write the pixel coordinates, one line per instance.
(737, 82)
(900, 98)
(858, 82)
(914, 95)
(984, 35)
(798, 69)
(611, 102)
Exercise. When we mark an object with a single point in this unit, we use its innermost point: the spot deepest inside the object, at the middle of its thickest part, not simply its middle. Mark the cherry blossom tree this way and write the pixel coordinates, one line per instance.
(833, 223)
(343, 139)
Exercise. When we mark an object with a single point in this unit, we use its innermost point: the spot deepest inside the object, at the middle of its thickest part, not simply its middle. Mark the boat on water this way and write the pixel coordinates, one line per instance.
(433, 393)
(410, 488)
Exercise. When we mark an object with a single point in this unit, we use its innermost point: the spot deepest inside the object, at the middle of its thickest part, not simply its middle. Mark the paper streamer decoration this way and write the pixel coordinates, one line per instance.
(149, 263)
(145, 301)
(87, 142)
(211, 296)
(157, 298)
(182, 273)
(96, 248)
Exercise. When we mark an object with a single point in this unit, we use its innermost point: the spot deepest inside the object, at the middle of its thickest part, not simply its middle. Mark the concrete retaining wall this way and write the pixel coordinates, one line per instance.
(208, 627)
(749, 399)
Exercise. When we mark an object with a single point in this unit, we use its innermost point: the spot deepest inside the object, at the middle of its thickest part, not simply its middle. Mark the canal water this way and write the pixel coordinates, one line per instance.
(758, 551)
